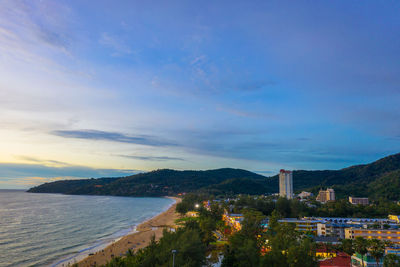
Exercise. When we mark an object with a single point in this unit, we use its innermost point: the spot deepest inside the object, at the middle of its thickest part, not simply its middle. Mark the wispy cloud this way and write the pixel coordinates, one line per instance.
(45, 162)
(113, 136)
(152, 158)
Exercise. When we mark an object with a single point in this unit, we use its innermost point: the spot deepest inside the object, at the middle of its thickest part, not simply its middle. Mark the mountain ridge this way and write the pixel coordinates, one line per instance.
(357, 180)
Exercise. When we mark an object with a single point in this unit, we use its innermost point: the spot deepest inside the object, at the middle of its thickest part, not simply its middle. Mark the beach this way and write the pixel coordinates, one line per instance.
(140, 239)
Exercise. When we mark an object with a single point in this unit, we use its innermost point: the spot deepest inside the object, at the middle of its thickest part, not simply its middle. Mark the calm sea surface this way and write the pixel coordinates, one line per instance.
(42, 229)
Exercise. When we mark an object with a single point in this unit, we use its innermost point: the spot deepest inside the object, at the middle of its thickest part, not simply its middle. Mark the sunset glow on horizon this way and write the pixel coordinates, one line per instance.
(100, 89)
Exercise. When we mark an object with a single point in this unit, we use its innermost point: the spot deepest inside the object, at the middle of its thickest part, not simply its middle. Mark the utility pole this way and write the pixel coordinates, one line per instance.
(173, 257)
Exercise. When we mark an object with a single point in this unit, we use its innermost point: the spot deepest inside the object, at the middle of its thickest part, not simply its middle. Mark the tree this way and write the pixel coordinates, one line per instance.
(244, 246)
(391, 260)
(361, 247)
(347, 246)
(376, 249)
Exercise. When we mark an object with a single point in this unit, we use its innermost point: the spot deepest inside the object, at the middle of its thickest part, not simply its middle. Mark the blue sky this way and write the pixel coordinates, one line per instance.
(99, 88)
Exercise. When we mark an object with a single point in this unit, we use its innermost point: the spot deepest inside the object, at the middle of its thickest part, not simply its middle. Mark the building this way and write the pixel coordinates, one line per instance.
(341, 259)
(334, 226)
(305, 194)
(326, 195)
(331, 229)
(303, 225)
(391, 235)
(368, 261)
(394, 218)
(286, 184)
(359, 200)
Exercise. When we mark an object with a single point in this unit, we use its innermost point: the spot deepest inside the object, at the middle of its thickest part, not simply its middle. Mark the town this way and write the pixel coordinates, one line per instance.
(339, 241)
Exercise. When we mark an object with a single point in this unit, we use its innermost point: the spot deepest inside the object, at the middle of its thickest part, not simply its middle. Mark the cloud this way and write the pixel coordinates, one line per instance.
(151, 158)
(112, 136)
(45, 162)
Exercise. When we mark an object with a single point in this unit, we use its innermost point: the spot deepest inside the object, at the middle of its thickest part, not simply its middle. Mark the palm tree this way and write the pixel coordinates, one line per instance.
(361, 247)
(347, 246)
(376, 249)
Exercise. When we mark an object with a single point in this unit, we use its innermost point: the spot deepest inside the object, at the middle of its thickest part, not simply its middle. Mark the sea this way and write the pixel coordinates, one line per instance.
(55, 229)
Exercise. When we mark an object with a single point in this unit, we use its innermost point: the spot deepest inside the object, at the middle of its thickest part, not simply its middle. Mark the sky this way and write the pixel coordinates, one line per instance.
(112, 88)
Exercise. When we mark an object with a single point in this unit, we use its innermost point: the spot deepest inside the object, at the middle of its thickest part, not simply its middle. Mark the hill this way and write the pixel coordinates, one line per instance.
(164, 182)
(380, 179)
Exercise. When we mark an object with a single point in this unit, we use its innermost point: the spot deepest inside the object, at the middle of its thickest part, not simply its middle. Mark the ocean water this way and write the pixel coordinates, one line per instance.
(47, 229)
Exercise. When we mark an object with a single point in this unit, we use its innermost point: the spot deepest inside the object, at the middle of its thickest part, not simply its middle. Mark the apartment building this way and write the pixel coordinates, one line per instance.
(391, 235)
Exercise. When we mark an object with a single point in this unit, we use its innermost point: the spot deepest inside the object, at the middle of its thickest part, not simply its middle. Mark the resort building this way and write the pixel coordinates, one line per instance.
(286, 184)
(391, 235)
(326, 195)
(305, 194)
(303, 225)
(356, 260)
(331, 229)
(340, 259)
(394, 218)
(359, 200)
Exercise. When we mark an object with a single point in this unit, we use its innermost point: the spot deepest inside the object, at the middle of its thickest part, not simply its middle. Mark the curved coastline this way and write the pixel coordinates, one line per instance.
(138, 237)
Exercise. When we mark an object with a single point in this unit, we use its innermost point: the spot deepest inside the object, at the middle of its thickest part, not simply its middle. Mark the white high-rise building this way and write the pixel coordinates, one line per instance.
(286, 184)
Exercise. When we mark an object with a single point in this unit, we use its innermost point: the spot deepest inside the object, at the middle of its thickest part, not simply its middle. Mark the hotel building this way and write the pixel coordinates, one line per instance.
(326, 195)
(286, 184)
(359, 200)
(391, 235)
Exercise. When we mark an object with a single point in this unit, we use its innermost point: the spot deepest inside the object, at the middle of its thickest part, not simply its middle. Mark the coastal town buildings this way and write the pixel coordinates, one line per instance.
(304, 195)
(359, 200)
(326, 195)
(303, 225)
(390, 235)
(369, 261)
(286, 184)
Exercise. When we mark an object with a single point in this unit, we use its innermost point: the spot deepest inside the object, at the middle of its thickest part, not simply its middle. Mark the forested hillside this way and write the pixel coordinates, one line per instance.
(380, 179)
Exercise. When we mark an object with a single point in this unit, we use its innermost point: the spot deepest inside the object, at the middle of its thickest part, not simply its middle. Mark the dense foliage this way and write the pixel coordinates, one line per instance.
(165, 182)
(283, 245)
(187, 241)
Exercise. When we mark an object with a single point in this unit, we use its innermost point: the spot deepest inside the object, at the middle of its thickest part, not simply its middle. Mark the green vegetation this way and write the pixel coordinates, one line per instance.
(391, 260)
(283, 245)
(187, 241)
(190, 241)
(380, 179)
(165, 182)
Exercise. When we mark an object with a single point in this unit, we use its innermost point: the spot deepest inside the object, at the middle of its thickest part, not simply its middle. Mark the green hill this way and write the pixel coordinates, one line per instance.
(380, 179)
(164, 182)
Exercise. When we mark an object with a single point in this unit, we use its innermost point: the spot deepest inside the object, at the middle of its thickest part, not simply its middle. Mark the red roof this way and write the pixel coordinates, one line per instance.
(342, 260)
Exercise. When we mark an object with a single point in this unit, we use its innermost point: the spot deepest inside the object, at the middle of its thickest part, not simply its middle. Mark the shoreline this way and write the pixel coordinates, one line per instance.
(134, 240)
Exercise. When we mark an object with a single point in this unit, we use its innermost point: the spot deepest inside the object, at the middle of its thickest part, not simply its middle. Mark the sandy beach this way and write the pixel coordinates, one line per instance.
(135, 241)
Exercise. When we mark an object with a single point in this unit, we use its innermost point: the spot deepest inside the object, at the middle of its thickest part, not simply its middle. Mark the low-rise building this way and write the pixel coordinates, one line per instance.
(359, 200)
(340, 260)
(305, 194)
(303, 225)
(331, 229)
(356, 261)
(394, 218)
(391, 235)
(326, 195)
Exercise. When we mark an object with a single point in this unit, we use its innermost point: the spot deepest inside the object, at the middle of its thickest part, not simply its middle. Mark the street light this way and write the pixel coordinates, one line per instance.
(173, 257)
(197, 206)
